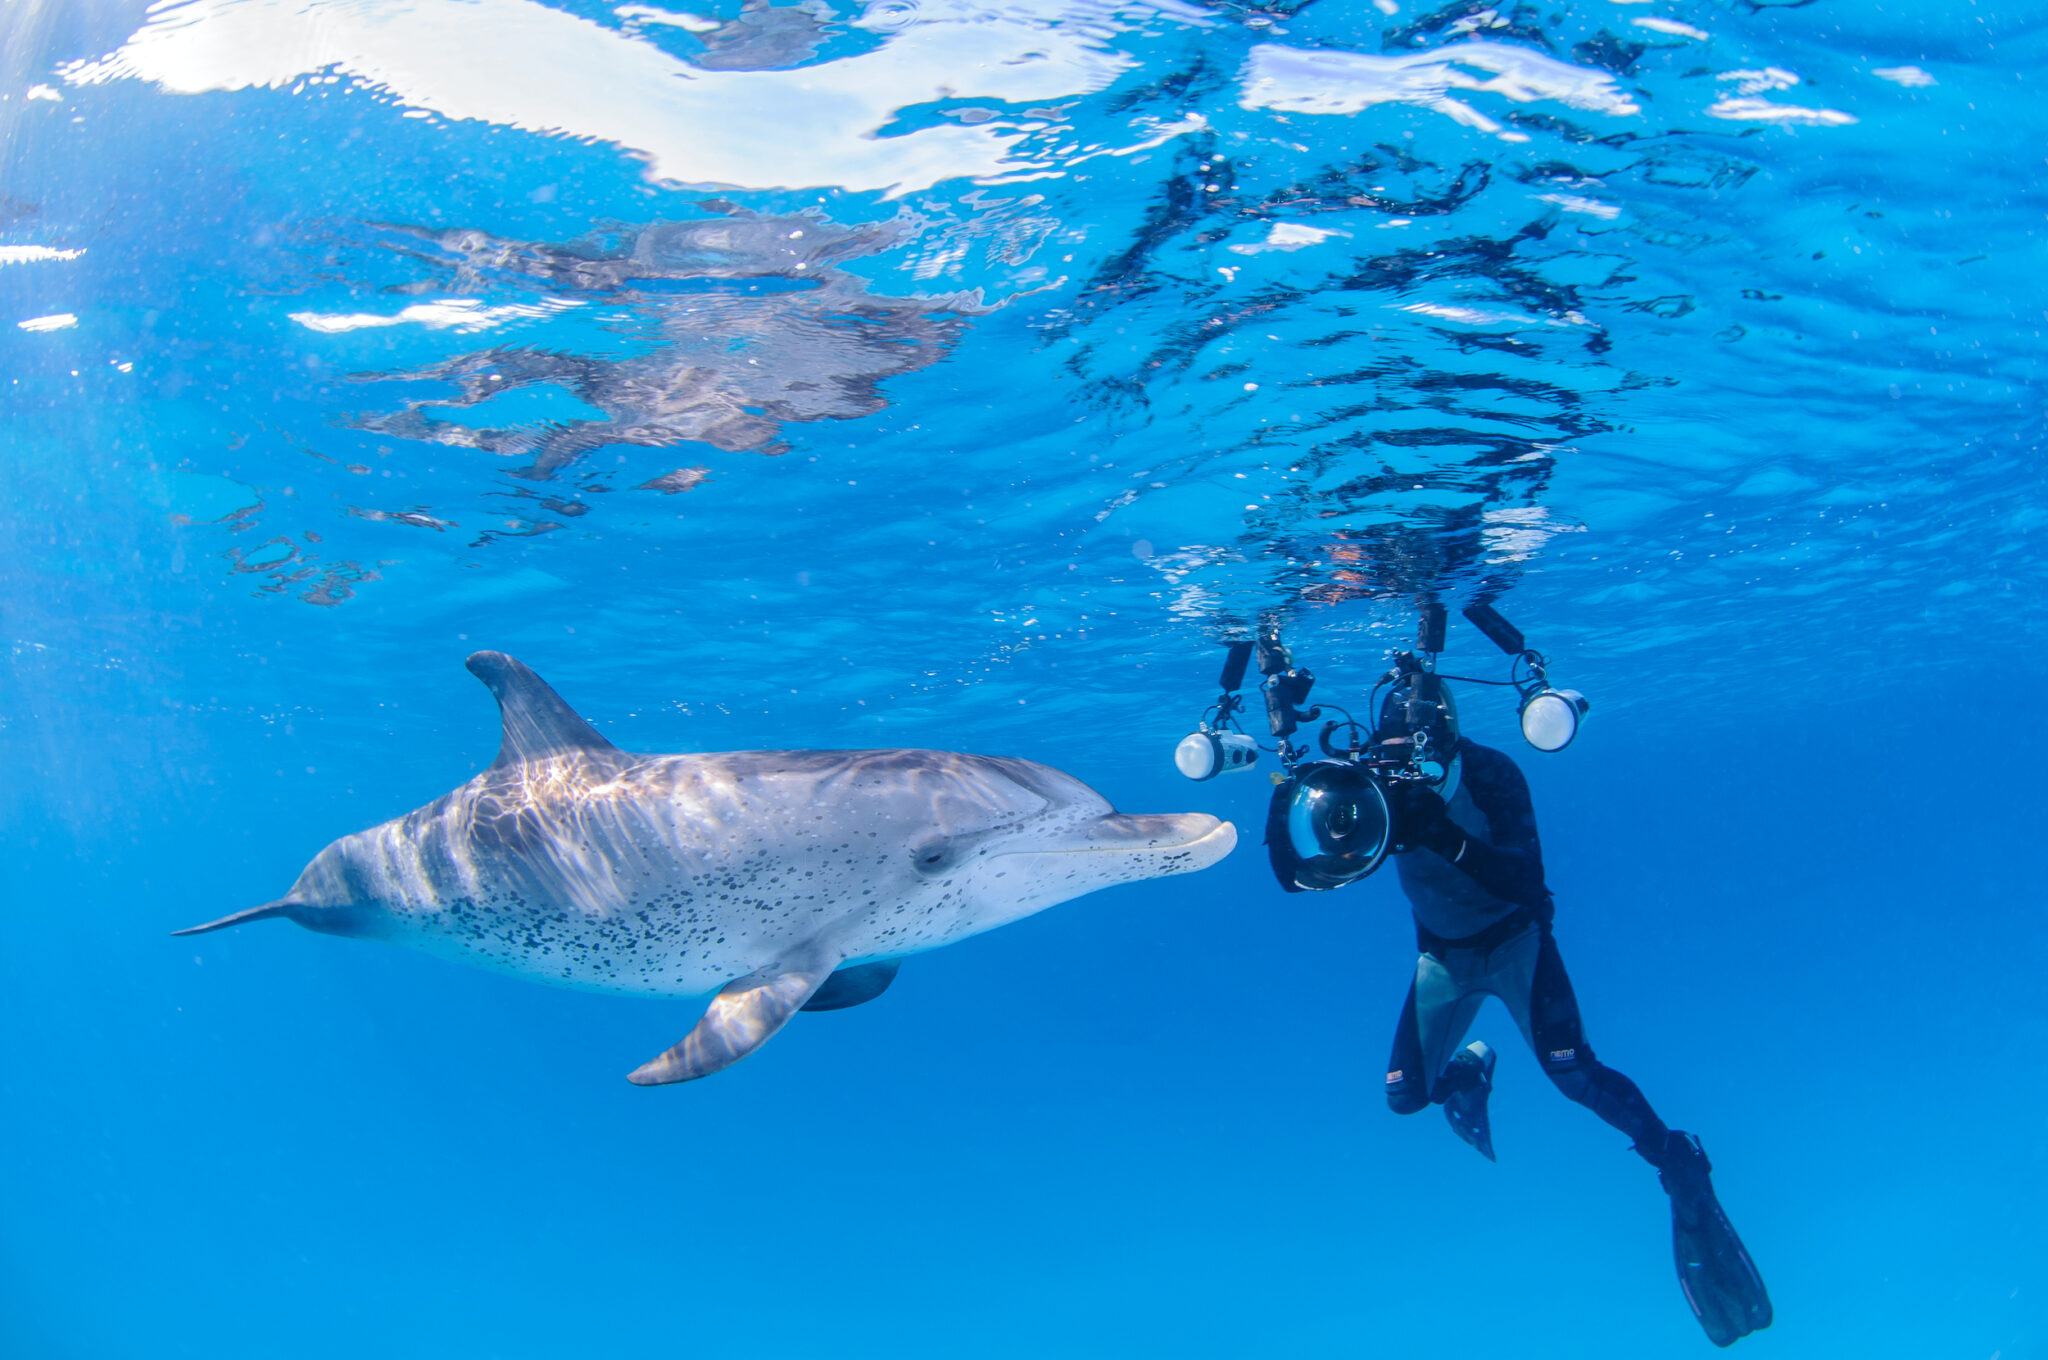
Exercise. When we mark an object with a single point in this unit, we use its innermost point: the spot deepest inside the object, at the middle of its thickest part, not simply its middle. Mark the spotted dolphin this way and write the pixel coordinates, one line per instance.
(780, 880)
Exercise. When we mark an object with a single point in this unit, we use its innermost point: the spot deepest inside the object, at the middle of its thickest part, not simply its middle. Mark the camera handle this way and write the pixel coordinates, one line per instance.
(1347, 752)
(1283, 693)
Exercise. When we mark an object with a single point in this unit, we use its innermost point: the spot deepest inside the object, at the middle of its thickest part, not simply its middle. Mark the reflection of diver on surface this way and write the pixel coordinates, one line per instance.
(1458, 817)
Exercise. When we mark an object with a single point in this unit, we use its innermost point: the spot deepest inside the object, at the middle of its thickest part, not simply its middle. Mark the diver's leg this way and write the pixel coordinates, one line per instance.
(1559, 1038)
(1407, 1087)
(1720, 1281)
(1437, 1014)
(1445, 1003)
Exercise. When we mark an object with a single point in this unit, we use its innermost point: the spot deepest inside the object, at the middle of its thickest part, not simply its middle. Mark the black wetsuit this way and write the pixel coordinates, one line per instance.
(1483, 928)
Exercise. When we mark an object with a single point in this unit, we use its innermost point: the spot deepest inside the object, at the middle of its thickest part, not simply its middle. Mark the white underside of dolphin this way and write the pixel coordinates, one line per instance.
(782, 880)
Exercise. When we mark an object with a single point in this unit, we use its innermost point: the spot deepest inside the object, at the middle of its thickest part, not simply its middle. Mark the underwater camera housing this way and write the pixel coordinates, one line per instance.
(1334, 818)
(1327, 825)
(1333, 821)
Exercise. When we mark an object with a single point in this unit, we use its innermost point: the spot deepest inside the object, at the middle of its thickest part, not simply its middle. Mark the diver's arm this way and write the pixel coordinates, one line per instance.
(1511, 865)
(1511, 875)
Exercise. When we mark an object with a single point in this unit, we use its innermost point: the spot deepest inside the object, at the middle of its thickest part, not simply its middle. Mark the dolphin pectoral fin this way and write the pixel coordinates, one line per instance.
(262, 913)
(742, 1017)
(852, 986)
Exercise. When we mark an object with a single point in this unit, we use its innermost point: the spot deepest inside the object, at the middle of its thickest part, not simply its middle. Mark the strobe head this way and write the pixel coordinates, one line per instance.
(1327, 826)
(1550, 717)
(1207, 753)
(1213, 748)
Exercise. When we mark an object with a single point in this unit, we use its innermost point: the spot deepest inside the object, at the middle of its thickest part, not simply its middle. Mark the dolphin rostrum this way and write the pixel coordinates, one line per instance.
(781, 880)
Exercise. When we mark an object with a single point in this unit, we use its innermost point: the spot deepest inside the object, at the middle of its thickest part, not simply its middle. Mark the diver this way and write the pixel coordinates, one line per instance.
(1472, 870)
(1457, 820)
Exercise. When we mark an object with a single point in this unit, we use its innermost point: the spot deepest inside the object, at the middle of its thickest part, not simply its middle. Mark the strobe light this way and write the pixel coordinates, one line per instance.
(1213, 748)
(1206, 754)
(1551, 717)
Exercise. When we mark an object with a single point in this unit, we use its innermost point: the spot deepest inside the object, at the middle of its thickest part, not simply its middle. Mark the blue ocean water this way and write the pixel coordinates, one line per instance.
(959, 375)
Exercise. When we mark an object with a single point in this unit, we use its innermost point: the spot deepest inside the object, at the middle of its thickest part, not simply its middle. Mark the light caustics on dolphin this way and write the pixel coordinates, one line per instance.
(781, 880)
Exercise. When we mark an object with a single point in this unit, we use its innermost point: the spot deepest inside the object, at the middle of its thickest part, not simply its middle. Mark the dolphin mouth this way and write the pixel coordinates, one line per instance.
(1205, 838)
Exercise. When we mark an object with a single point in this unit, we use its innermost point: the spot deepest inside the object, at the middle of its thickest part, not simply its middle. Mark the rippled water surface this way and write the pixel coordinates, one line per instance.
(958, 374)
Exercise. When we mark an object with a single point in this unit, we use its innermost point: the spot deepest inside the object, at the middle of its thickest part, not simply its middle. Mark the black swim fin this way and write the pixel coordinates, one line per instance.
(1720, 1281)
(1469, 1078)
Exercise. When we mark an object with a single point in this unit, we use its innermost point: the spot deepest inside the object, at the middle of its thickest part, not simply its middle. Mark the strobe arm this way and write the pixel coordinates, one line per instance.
(1234, 663)
(1429, 632)
(1498, 630)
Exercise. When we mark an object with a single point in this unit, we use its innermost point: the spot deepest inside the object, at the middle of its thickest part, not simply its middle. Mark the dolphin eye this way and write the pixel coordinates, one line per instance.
(935, 857)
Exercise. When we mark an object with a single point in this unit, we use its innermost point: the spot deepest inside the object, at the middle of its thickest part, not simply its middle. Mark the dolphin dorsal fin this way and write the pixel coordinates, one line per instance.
(537, 723)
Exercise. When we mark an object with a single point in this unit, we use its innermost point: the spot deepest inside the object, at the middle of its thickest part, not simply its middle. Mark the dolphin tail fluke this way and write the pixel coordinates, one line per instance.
(743, 1016)
(262, 913)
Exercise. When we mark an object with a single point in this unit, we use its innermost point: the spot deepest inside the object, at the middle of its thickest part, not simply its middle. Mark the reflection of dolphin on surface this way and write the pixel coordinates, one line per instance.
(755, 325)
(783, 880)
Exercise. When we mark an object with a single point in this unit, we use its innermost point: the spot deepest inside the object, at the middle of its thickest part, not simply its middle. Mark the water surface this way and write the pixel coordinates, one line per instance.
(959, 375)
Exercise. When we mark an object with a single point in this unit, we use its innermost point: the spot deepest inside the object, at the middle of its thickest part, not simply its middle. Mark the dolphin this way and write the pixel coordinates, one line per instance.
(780, 880)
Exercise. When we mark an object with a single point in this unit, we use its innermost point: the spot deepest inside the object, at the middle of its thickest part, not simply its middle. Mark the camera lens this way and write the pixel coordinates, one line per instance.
(1333, 827)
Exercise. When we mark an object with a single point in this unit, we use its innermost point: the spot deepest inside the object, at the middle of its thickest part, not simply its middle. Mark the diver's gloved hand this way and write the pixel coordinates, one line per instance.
(1421, 821)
